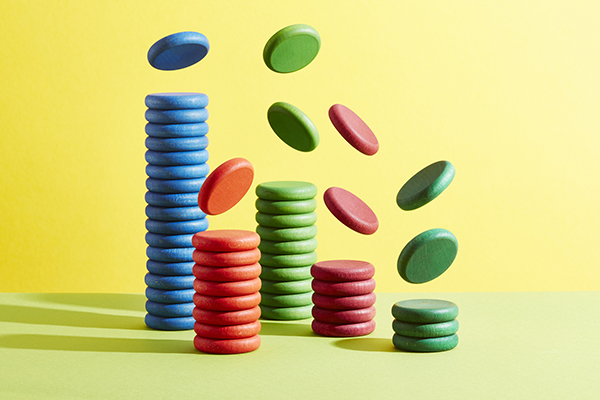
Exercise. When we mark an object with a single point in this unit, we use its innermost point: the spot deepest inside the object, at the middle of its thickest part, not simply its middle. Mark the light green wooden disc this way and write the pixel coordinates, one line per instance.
(427, 256)
(425, 185)
(288, 260)
(286, 207)
(286, 221)
(285, 273)
(425, 311)
(289, 287)
(425, 330)
(292, 48)
(425, 345)
(286, 190)
(286, 313)
(286, 300)
(286, 234)
(295, 247)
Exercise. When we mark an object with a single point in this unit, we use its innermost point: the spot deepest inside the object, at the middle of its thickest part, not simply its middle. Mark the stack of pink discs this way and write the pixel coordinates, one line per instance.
(343, 299)
(227, 298)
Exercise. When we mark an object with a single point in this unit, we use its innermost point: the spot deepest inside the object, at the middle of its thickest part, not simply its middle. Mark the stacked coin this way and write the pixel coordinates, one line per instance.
(176, 169)
(227, 291)
(425, 325)
(286, 224)
(344, 299)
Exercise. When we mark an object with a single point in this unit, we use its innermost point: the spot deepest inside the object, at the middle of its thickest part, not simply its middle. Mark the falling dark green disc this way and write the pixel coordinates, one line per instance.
(425, 185)
(427, 256)
(293, 126)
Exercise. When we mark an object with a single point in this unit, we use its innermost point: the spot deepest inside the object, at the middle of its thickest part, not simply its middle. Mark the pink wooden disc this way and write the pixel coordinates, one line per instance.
(351, 211)
(353, 129)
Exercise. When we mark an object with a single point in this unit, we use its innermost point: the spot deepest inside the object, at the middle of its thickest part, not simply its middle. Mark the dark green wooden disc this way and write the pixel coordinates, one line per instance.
(286, 207)
(295, 247)
(293, 126)
(425, 330)
(425, 345)
(286, 287)
(286, 313)
(286, 190)
(286, 221)
(288, 260)
(425, 311)
(292, 48)
(285, 273)
(286, 234)
(427, 256)
(286, 300)
(425, 185)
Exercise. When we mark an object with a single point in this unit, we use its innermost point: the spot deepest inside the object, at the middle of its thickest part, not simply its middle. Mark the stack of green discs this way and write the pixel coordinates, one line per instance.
(286, 225)
(425, 325)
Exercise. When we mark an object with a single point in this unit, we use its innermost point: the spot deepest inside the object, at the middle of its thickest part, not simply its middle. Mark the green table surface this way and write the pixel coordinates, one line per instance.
(512, 346)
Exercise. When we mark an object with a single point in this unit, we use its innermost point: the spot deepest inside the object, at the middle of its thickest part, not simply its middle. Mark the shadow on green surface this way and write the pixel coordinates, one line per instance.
(128, 302)
(96, 344)
(285, 328)
(81, 319)
(366, 344)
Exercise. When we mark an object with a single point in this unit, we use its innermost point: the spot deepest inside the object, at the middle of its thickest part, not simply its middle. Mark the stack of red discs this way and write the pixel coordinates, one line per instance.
(343, 298)
(227, 298)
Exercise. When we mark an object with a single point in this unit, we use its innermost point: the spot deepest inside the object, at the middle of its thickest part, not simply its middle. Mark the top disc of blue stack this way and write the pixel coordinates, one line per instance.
(177, 51)
(176, 101)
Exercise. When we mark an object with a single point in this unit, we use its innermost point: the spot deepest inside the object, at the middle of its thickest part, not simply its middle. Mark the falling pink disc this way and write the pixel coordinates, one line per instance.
(353, 129)
(351, 211)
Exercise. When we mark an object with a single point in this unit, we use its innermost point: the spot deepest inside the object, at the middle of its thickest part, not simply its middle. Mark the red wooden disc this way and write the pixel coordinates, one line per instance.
(227, 346)
(228, 303)
(351, 211)
(353, 129)
(227, 274)
(226, 259)
(341, 330)
(343, 316)
(227, 331)
(344, 302)
(353, 288)
(225, 186)
(225, 240)
(236, 288)
(211, 317)
(342, 270)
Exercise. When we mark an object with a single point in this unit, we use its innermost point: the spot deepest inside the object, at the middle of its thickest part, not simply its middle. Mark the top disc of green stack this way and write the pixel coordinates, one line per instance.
(286, 190)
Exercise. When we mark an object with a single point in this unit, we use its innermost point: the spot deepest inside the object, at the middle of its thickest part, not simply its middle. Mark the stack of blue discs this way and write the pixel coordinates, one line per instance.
(176, 169)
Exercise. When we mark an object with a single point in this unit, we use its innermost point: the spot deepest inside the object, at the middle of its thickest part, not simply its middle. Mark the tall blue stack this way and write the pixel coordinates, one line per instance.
(176, 169)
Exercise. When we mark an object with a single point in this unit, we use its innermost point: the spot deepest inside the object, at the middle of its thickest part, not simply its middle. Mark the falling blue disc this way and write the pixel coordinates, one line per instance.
(177, 51)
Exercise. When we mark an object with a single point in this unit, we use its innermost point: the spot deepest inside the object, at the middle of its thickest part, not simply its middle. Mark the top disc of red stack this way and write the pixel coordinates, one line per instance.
(225, 240)
(342, 270)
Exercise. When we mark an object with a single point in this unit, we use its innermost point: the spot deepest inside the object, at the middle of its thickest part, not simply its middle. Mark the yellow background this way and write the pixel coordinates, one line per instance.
(506, 91)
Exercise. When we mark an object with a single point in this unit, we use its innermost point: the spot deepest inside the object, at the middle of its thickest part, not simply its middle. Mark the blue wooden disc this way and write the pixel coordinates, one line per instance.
(174, 213)
(169, 241)
(171, 199)
(162, 268)
(169, 310)
(176, 116)
(169, 282)
(177, 171)
(169, 324)
(177, 51)
(176, 130)
(176, 227)
(174, 185)
(177, 144)
(176, 101)
(175, 254)
(170, 296)
(176, 157)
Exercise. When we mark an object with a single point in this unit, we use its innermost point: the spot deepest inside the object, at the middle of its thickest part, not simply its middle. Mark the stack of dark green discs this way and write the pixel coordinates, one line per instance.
(425, 325)
(286, 225)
